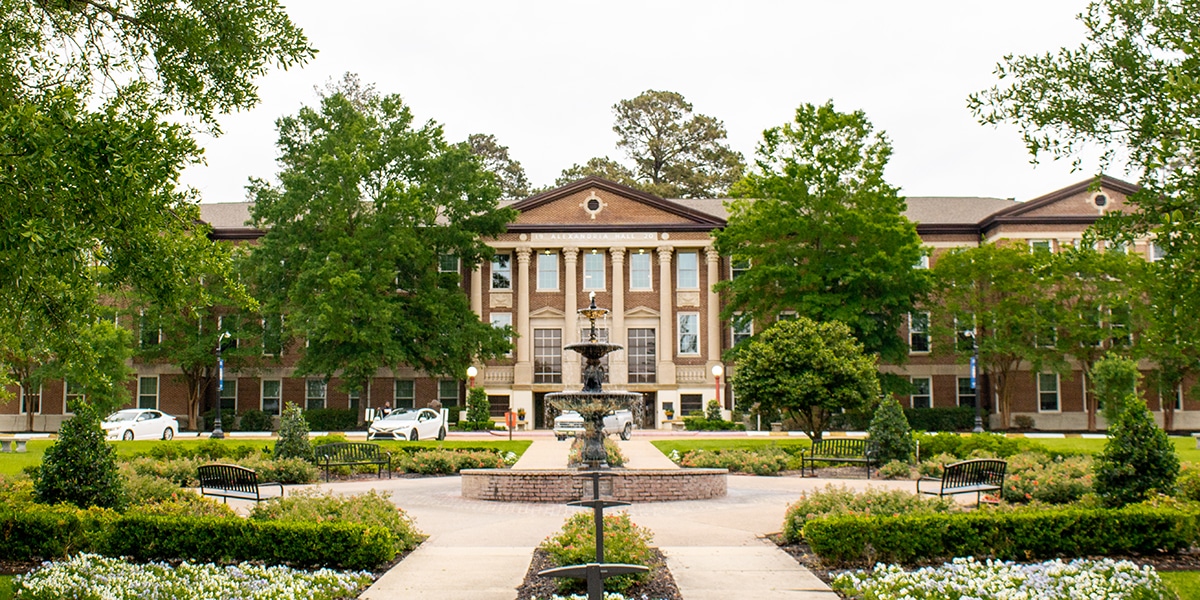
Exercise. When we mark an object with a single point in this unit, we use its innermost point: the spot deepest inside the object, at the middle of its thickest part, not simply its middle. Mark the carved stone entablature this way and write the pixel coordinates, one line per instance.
(501, 300)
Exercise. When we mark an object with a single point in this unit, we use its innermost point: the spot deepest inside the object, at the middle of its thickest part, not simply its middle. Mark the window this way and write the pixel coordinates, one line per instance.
(918, 332)
(272, 336)
(501, 320)
(272, 396)
(448, 392)
(31, 402)
(922, 393)
(448, 263)
(601, 336)
(742, 327)
(642, 363)
(1040, 245)
(404, 393)
(1047, 392)
(547, 271)
(689, 333)
(72, 393)
(690, 403)
(148, 392)
(547, 356)
(502, 271)
(687, 270)
(593, 271)
(738, 267)
(314, 394)
(149, 333)
(966, 392)
(639, 271)
(787, 315)
(1179, 397)
(923, 262)
(228, 394)
(498, 405)
(1118, 324)
(1157, 252)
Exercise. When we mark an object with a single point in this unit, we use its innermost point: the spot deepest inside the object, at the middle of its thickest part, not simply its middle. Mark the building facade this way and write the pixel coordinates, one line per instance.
(650, 261)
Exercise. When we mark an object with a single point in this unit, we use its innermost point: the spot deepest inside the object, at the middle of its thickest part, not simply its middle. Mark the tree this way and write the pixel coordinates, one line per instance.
(889, 429)
(479, 416)
(81, 467)
(1114, 383)
(495, 158)
(604, 168)
(807, 370)
(366, 207)
(1137, 460)
(293, 435)
(823, 233)
(996, 293)
(1128, 90)
(92, 143)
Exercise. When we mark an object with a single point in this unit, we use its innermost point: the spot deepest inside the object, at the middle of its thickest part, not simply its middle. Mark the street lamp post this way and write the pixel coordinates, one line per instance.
(974, 379)
(718, 371)
(216, 432)
(471, 373)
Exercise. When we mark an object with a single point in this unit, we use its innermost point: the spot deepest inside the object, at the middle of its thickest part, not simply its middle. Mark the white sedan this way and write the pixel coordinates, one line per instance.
(408, 424)
(140, 424)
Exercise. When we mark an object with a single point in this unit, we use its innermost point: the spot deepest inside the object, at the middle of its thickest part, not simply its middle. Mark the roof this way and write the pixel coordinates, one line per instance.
(952, 210)
(226, 215)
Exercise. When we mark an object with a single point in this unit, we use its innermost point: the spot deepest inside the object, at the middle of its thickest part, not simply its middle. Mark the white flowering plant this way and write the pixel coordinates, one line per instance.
(94, 576)
(969, 579)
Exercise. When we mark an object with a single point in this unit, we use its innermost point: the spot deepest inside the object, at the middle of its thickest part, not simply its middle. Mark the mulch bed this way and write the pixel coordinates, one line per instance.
(661, 584)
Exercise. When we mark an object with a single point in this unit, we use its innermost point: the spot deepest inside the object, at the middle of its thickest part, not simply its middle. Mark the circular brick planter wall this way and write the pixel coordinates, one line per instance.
(567, 485)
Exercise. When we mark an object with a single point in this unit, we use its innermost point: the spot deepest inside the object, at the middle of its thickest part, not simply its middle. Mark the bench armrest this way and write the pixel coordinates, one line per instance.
(264, 484)
(928, 479)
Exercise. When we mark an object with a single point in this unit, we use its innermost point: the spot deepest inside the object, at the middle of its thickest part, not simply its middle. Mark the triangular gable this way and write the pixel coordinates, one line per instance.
(1085, 201)
(546, 312)
(641, 312)
(599, 204)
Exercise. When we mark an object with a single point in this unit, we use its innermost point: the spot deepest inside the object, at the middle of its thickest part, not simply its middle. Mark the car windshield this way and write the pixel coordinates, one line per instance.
(122, 416)
(402, 415)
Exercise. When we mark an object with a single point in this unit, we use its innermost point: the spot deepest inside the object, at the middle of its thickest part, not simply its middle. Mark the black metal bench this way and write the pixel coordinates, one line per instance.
(840, 450)
(977, 475)
(343, 454)
(232, 481)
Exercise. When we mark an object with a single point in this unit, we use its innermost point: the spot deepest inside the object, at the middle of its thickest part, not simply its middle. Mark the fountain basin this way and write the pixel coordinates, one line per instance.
(567, 485)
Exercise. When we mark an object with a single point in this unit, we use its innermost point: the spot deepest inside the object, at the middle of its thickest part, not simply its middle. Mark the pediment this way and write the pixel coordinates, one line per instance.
(547, 312)
(1088, 199)
(641, 312)
(599, 204)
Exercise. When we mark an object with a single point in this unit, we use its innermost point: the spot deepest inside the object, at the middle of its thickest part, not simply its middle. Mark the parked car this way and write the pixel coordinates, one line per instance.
(570, 423)
(408, 424)
(140, 424)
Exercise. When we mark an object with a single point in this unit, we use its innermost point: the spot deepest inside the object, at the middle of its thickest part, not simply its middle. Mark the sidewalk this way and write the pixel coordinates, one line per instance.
(715, 548)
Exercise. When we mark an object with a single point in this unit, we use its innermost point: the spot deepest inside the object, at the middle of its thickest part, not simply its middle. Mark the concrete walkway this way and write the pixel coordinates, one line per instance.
(715, 548)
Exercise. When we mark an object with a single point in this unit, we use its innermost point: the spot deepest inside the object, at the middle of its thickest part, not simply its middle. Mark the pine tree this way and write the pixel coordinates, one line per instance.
(81, 468)
(293, 435)
(1138, 459)
(479, 412)
(889, 429)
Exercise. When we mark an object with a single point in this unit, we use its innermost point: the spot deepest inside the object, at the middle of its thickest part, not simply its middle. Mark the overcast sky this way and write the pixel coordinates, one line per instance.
(543, 77)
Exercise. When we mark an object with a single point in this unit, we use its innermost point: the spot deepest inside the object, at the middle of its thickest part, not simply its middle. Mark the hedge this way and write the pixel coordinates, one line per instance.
(332, 419)
(957, 418)
(1006, 535)
(48, 533)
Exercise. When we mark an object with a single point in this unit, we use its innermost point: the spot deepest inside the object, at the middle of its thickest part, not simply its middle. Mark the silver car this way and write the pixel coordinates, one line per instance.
(140, 424)
(408, 424)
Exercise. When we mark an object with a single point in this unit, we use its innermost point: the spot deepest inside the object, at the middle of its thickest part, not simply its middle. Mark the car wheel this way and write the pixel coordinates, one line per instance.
(128, 435)
(168, 433)
(442, 434)
(561, 437)
(627, 432)
(412, 435)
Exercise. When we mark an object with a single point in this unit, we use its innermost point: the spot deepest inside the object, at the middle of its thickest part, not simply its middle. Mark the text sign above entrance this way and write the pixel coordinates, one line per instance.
(595, 236)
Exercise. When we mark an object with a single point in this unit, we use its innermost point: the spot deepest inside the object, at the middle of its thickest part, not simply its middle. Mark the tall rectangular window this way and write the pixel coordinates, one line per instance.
(547, 271)
(687, 270)
(690, 404)
(31, 401)
(1040, 245)
(966, 392)
(448, 392)
(547, 356)
(314, 394)
(229, 394)
(272, 396)
(448, 263)
(738, 267)
(642, 361)
(502, 271)
(922, 393)
(148, 392)
(72, 393)
(639, 271)
(918, 332)
(1118, 322)
(1178, 397)
(593, 270)
(500, 320)
(405, 394)
(1047, 392)
(689, 333)
(355, 398)
(742, 328)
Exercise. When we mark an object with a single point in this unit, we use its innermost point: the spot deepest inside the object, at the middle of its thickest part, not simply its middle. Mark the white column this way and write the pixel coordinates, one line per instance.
(571, 366)
(713, 314)
(524, 355)
(618, 363)
(666, 319)
(477, 291)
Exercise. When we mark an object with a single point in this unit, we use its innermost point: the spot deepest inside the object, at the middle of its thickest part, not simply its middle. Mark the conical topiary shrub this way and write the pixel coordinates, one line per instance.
(81, 467)
(889, 429)
(293, 435)
(1137, 460)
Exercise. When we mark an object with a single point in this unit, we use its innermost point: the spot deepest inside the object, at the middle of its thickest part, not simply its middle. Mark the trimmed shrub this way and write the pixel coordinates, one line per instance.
(1037, 477)
(706, 424)
(935, 466)
(712, 411)
(840, 500)
(330, 419)
(228, 420)
(371, 509)
(81, 467)
(38, 532)
(968, 446)
(256, 420)
(1006, 535)
(1187, 485)
(293, 435)
(956, 418)
(769, 460)
(624, 542)
(1137, 460)
(890, 431)
(897, 469)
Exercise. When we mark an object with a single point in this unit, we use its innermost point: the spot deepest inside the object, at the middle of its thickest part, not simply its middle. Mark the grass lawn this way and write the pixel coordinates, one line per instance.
(13, 463)
(789, 444)
(6, 591)
(1185, 447)
(1185, 584)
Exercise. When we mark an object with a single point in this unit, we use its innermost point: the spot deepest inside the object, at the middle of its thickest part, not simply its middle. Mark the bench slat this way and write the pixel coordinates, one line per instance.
(969, 476)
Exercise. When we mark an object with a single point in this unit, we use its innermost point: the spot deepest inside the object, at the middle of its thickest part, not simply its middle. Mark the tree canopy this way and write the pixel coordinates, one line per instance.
(822, 233)
(368, 206)
(494, 155)
(807, 370)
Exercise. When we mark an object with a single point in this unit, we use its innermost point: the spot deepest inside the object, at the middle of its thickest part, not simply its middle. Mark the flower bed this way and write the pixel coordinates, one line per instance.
(968, 578)
(92, 576)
